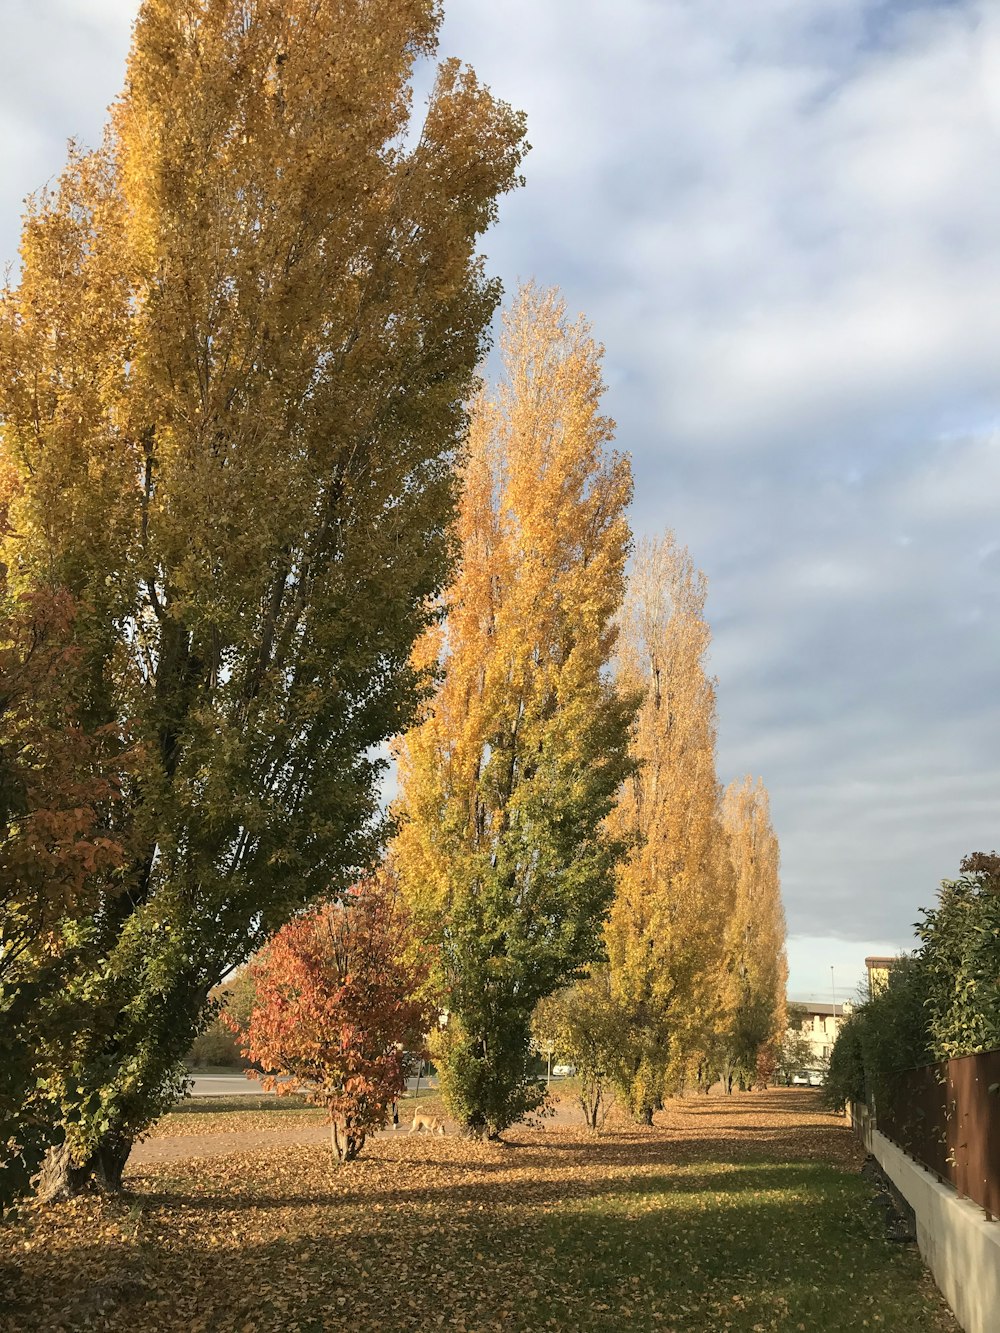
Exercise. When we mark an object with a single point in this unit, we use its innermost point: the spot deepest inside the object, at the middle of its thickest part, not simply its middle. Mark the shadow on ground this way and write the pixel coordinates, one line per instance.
(740, 1218)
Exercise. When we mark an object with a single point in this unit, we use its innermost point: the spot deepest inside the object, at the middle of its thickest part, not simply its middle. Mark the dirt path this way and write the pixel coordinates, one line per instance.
(212, 1143)
(178, 1146)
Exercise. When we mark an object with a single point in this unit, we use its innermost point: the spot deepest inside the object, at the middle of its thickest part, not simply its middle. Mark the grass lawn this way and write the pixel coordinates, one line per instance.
(730, 1214)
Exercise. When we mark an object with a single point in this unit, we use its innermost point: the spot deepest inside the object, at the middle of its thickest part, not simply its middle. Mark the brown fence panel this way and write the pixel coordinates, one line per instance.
(945, 1116)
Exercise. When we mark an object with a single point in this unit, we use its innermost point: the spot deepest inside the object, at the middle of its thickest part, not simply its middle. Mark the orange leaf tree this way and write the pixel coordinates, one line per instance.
(665, 933)
(58, 792)
(758, 969)
(336, 1010)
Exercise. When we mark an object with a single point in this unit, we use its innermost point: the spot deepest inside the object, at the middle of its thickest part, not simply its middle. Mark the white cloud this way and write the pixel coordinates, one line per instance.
(803, 216)
(64, 63)
(960, 481)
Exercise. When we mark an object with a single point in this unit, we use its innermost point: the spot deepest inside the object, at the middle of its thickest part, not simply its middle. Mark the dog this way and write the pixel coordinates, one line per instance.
(429, 1122)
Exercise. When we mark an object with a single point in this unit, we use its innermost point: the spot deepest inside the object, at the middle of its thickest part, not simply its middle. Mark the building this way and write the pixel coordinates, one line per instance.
(878, 973)
(820, 1025)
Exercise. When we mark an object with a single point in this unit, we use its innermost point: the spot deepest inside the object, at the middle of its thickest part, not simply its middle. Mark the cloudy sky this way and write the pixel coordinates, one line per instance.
(783, 220)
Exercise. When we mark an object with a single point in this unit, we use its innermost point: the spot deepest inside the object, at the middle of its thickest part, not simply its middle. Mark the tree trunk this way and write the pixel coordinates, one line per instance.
(476, 1126)
(645, 1115)
(60, 1178)
(592, 1109)
(346, 1141)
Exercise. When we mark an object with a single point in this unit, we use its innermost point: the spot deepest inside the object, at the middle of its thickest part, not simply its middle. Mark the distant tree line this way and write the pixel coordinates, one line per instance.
(562, 831)
(571, 874)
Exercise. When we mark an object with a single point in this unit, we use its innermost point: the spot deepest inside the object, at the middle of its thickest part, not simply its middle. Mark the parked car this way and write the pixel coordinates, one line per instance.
(808, 1078)
(563, 1071)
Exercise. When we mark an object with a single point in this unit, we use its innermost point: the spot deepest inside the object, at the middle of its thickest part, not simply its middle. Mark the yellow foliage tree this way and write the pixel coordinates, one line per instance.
(506, 783)
(667, 927)
(754, 1006)
(232, 383)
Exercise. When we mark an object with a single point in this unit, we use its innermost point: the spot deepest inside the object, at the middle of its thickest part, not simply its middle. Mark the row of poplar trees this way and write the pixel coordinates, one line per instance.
(238, 425)
(559, 815)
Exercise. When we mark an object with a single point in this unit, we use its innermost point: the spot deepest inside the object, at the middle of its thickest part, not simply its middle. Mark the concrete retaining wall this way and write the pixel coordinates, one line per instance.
(959, 1246)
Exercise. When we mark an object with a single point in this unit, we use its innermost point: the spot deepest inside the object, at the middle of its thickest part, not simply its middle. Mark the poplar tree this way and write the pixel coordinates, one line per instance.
(755, 1000)
(506, 783)
(233, 373)
(665, 934)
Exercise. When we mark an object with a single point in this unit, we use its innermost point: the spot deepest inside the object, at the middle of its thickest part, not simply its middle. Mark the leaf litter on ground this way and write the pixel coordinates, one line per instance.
(744, 1214)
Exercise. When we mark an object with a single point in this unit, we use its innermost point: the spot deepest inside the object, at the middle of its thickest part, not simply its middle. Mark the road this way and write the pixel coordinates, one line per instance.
(226, 1085)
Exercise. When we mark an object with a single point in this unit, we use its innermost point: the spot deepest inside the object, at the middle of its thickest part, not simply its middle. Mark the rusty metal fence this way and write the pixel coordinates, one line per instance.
(947, 1117)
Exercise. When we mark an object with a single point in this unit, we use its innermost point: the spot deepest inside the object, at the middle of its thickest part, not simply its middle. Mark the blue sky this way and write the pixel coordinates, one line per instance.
(783, 221)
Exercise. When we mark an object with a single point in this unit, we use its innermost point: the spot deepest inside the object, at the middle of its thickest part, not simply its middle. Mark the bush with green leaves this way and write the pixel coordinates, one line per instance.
(845, 1073)
(941, 1003)
(961, 949)
(582, 1024)
(884, 1036)
(217, 1045)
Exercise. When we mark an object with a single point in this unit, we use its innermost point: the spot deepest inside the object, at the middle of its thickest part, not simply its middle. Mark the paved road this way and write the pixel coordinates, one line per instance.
(238, 1085)
(225, 1085)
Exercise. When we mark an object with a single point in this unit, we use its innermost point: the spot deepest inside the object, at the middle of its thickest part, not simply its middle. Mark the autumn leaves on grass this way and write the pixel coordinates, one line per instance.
(744, 1213)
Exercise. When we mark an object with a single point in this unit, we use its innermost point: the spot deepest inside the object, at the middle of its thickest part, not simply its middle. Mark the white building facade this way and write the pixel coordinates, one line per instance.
(820, 1026)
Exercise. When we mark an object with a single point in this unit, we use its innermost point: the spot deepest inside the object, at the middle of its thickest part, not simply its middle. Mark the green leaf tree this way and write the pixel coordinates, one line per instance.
(232, 381)
(758, 970)
(792, 1050)
(582, 1024)
(506, 784)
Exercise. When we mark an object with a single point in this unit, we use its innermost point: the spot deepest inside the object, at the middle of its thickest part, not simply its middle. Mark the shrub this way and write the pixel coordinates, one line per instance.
(941, 1003)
